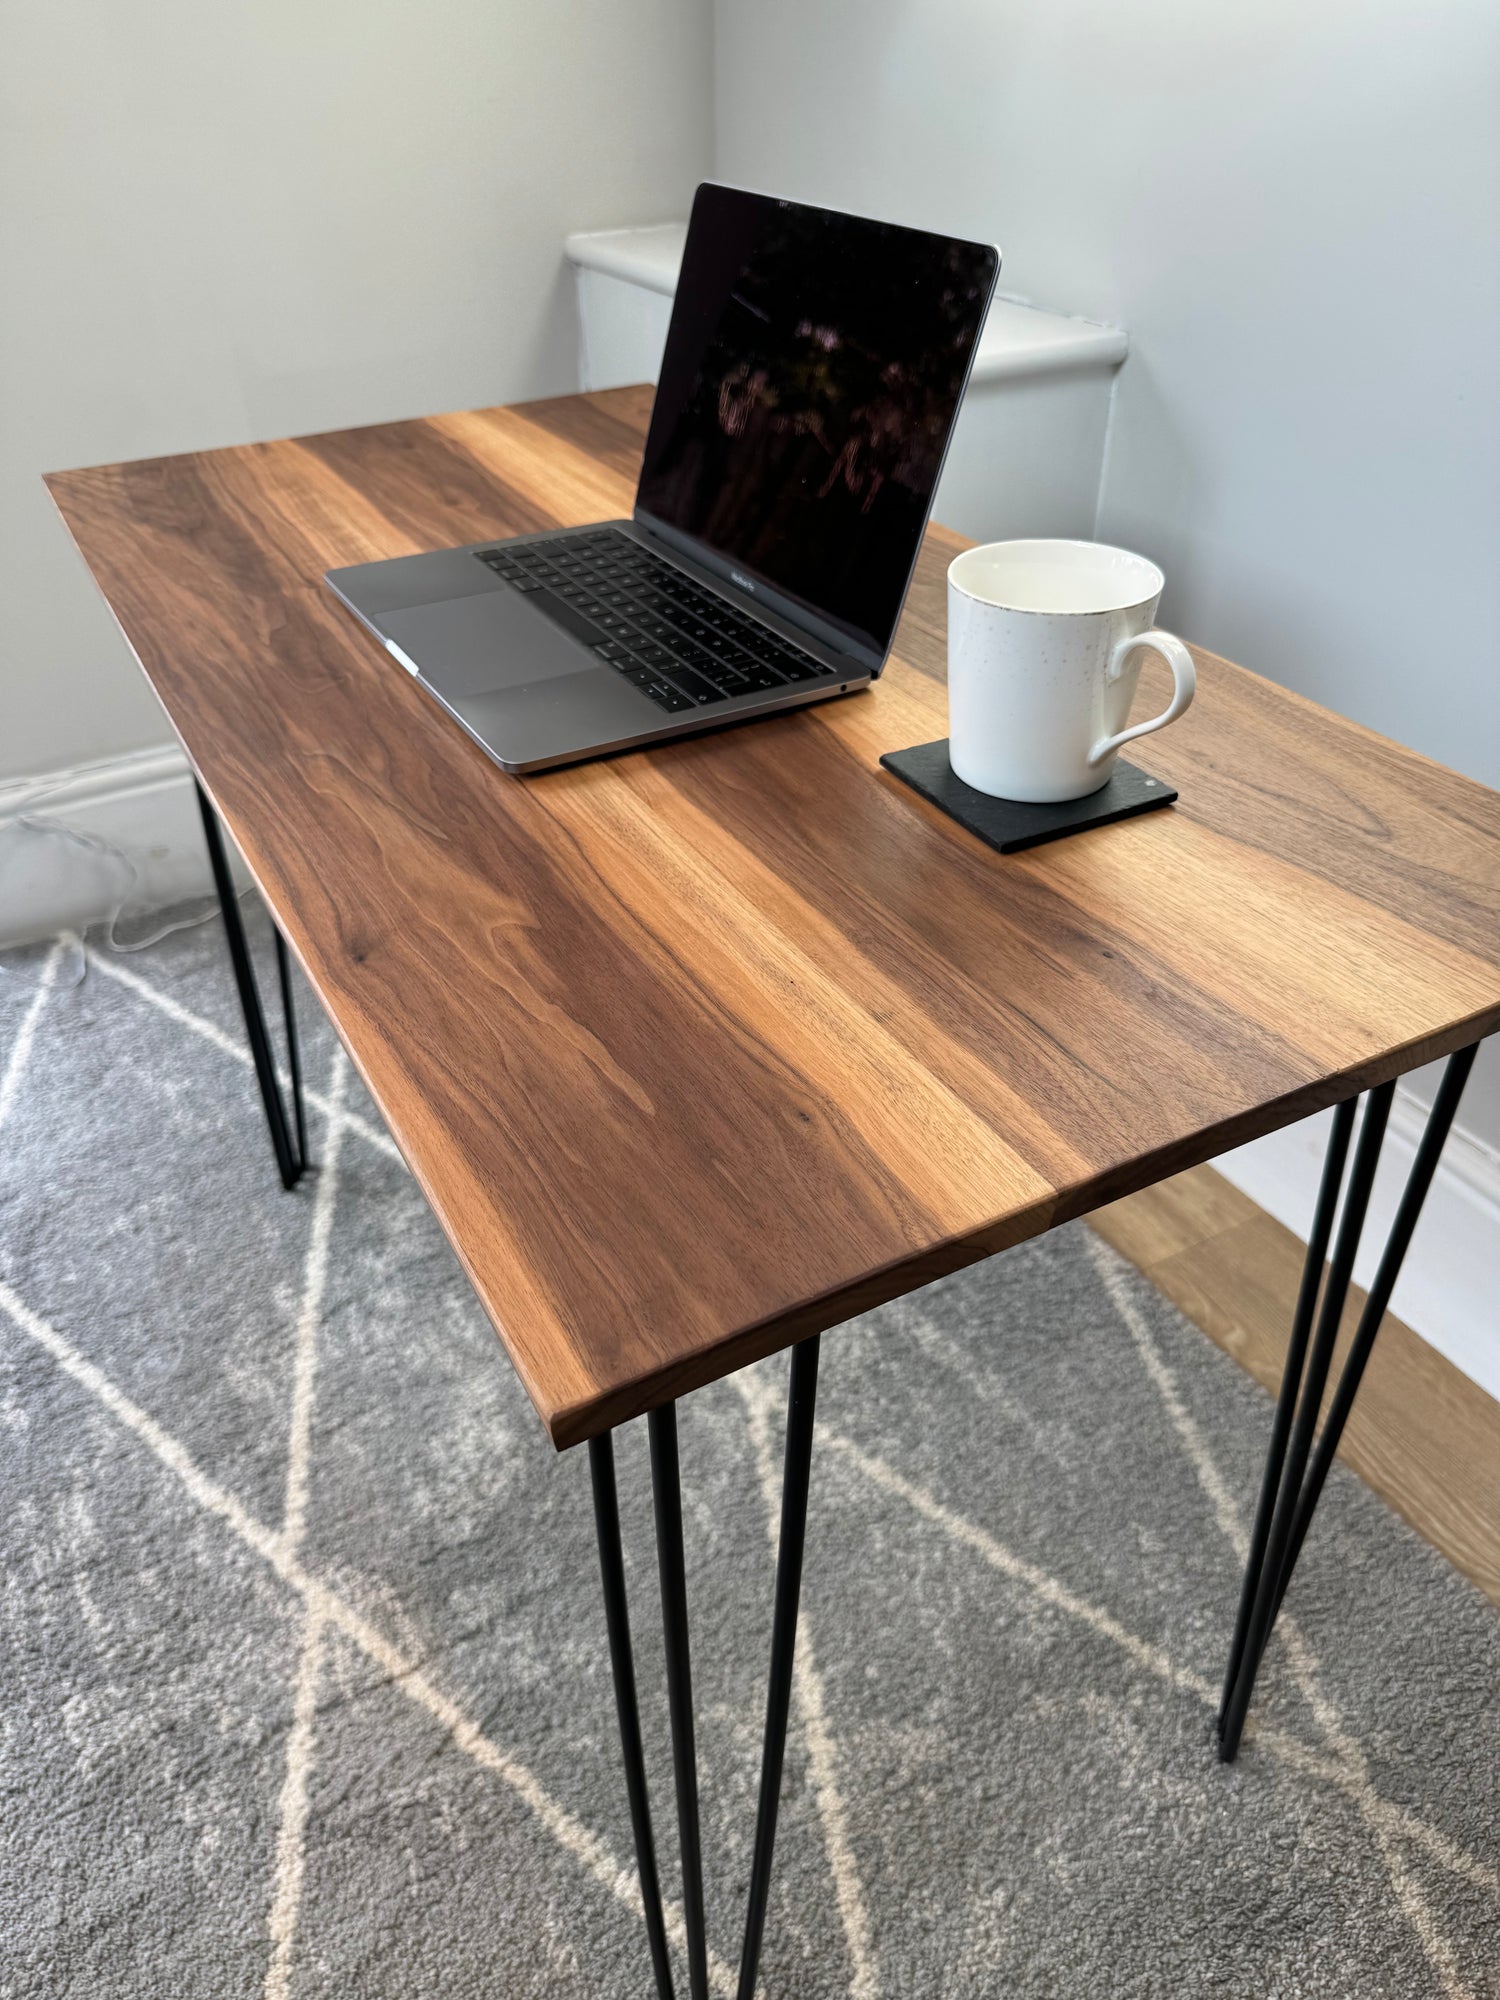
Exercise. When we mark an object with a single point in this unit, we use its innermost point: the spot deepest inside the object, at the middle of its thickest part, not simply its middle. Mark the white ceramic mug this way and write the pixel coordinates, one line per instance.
(1044, 651)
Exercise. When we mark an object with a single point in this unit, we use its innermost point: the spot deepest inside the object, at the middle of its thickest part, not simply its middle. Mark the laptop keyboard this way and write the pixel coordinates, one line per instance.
(680, 644)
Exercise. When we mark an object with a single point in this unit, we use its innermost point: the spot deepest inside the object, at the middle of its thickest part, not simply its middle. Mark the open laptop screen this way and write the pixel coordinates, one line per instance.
(812, 372)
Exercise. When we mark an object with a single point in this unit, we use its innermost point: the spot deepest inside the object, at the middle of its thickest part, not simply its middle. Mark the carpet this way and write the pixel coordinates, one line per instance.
(305, 1688)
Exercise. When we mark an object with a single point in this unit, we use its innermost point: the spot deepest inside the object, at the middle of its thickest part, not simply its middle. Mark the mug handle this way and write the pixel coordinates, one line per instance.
(1184, 676)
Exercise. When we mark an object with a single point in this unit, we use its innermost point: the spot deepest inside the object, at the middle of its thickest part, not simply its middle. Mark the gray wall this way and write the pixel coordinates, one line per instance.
(224, 223)
(1294, 212)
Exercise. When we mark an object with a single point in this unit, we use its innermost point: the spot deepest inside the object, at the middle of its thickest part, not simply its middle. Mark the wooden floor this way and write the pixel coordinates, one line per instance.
(1424, 1436)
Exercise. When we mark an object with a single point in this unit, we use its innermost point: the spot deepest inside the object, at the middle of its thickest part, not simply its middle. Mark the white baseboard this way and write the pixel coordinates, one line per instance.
(141, 806)
(1447, 1287)
(140, 840)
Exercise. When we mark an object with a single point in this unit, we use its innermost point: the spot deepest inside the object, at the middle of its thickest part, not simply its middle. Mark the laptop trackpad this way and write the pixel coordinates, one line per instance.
(475, 645)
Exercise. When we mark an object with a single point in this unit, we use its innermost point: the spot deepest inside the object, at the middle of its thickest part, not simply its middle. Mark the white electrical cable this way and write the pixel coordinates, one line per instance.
(28, 820)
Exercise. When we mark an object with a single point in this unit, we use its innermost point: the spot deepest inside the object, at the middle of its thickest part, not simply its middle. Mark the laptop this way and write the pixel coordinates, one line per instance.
(813, 369)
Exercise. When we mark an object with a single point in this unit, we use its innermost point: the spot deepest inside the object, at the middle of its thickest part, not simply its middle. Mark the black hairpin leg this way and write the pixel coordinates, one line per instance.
(667, 1495)
(622, 1663)
(666, 1492)
(795, 1479)
(1295, 1468)
(288, 1137)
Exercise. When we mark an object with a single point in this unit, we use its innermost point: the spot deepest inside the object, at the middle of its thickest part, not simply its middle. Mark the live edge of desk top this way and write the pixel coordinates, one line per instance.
(700, 1050)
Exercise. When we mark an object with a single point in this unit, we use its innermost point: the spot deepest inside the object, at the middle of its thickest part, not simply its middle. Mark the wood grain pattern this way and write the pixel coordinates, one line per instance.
(702, 1049)
(1421, 1434)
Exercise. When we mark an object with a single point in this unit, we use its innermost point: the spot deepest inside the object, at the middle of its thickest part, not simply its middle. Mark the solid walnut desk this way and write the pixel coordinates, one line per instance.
(700, 1050)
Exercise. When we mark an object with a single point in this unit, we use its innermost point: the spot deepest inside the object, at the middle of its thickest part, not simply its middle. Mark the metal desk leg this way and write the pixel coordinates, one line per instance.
(1295, 1468)
(667, 1495)
(288, 1137)
(795, 1479)
(622, 1663)
(666, 1492)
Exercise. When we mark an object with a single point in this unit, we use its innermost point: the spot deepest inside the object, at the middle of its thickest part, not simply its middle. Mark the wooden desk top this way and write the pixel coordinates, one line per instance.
(699, 1050)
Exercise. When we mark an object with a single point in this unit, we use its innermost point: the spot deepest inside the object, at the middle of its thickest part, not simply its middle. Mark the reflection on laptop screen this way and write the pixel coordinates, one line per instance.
(811, 376)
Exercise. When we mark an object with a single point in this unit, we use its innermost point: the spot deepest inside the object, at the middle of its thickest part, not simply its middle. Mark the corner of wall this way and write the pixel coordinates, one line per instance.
(1109, 442)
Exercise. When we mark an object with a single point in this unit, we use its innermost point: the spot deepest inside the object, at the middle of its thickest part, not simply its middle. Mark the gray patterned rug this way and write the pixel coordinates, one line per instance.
(305, 1689)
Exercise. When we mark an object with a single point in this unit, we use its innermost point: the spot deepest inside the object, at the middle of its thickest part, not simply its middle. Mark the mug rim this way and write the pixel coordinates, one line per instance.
(1056, 542)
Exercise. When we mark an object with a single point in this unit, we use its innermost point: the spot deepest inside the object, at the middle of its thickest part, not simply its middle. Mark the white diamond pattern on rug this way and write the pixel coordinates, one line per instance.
(306, 1687)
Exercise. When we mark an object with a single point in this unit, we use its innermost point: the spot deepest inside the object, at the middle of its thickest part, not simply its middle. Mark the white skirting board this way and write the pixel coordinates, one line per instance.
(1447, 1288)
(143, 805)
(139, 806)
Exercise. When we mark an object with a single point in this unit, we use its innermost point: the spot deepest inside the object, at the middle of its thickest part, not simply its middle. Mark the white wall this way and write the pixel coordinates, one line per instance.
(1293, 209)
(225, 223)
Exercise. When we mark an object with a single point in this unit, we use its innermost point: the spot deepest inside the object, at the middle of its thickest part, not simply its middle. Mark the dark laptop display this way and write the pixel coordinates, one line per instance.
(811, 376)
(813, 370)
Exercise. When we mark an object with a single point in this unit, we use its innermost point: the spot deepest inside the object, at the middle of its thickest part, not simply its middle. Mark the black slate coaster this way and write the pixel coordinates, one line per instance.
(1006, 823)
